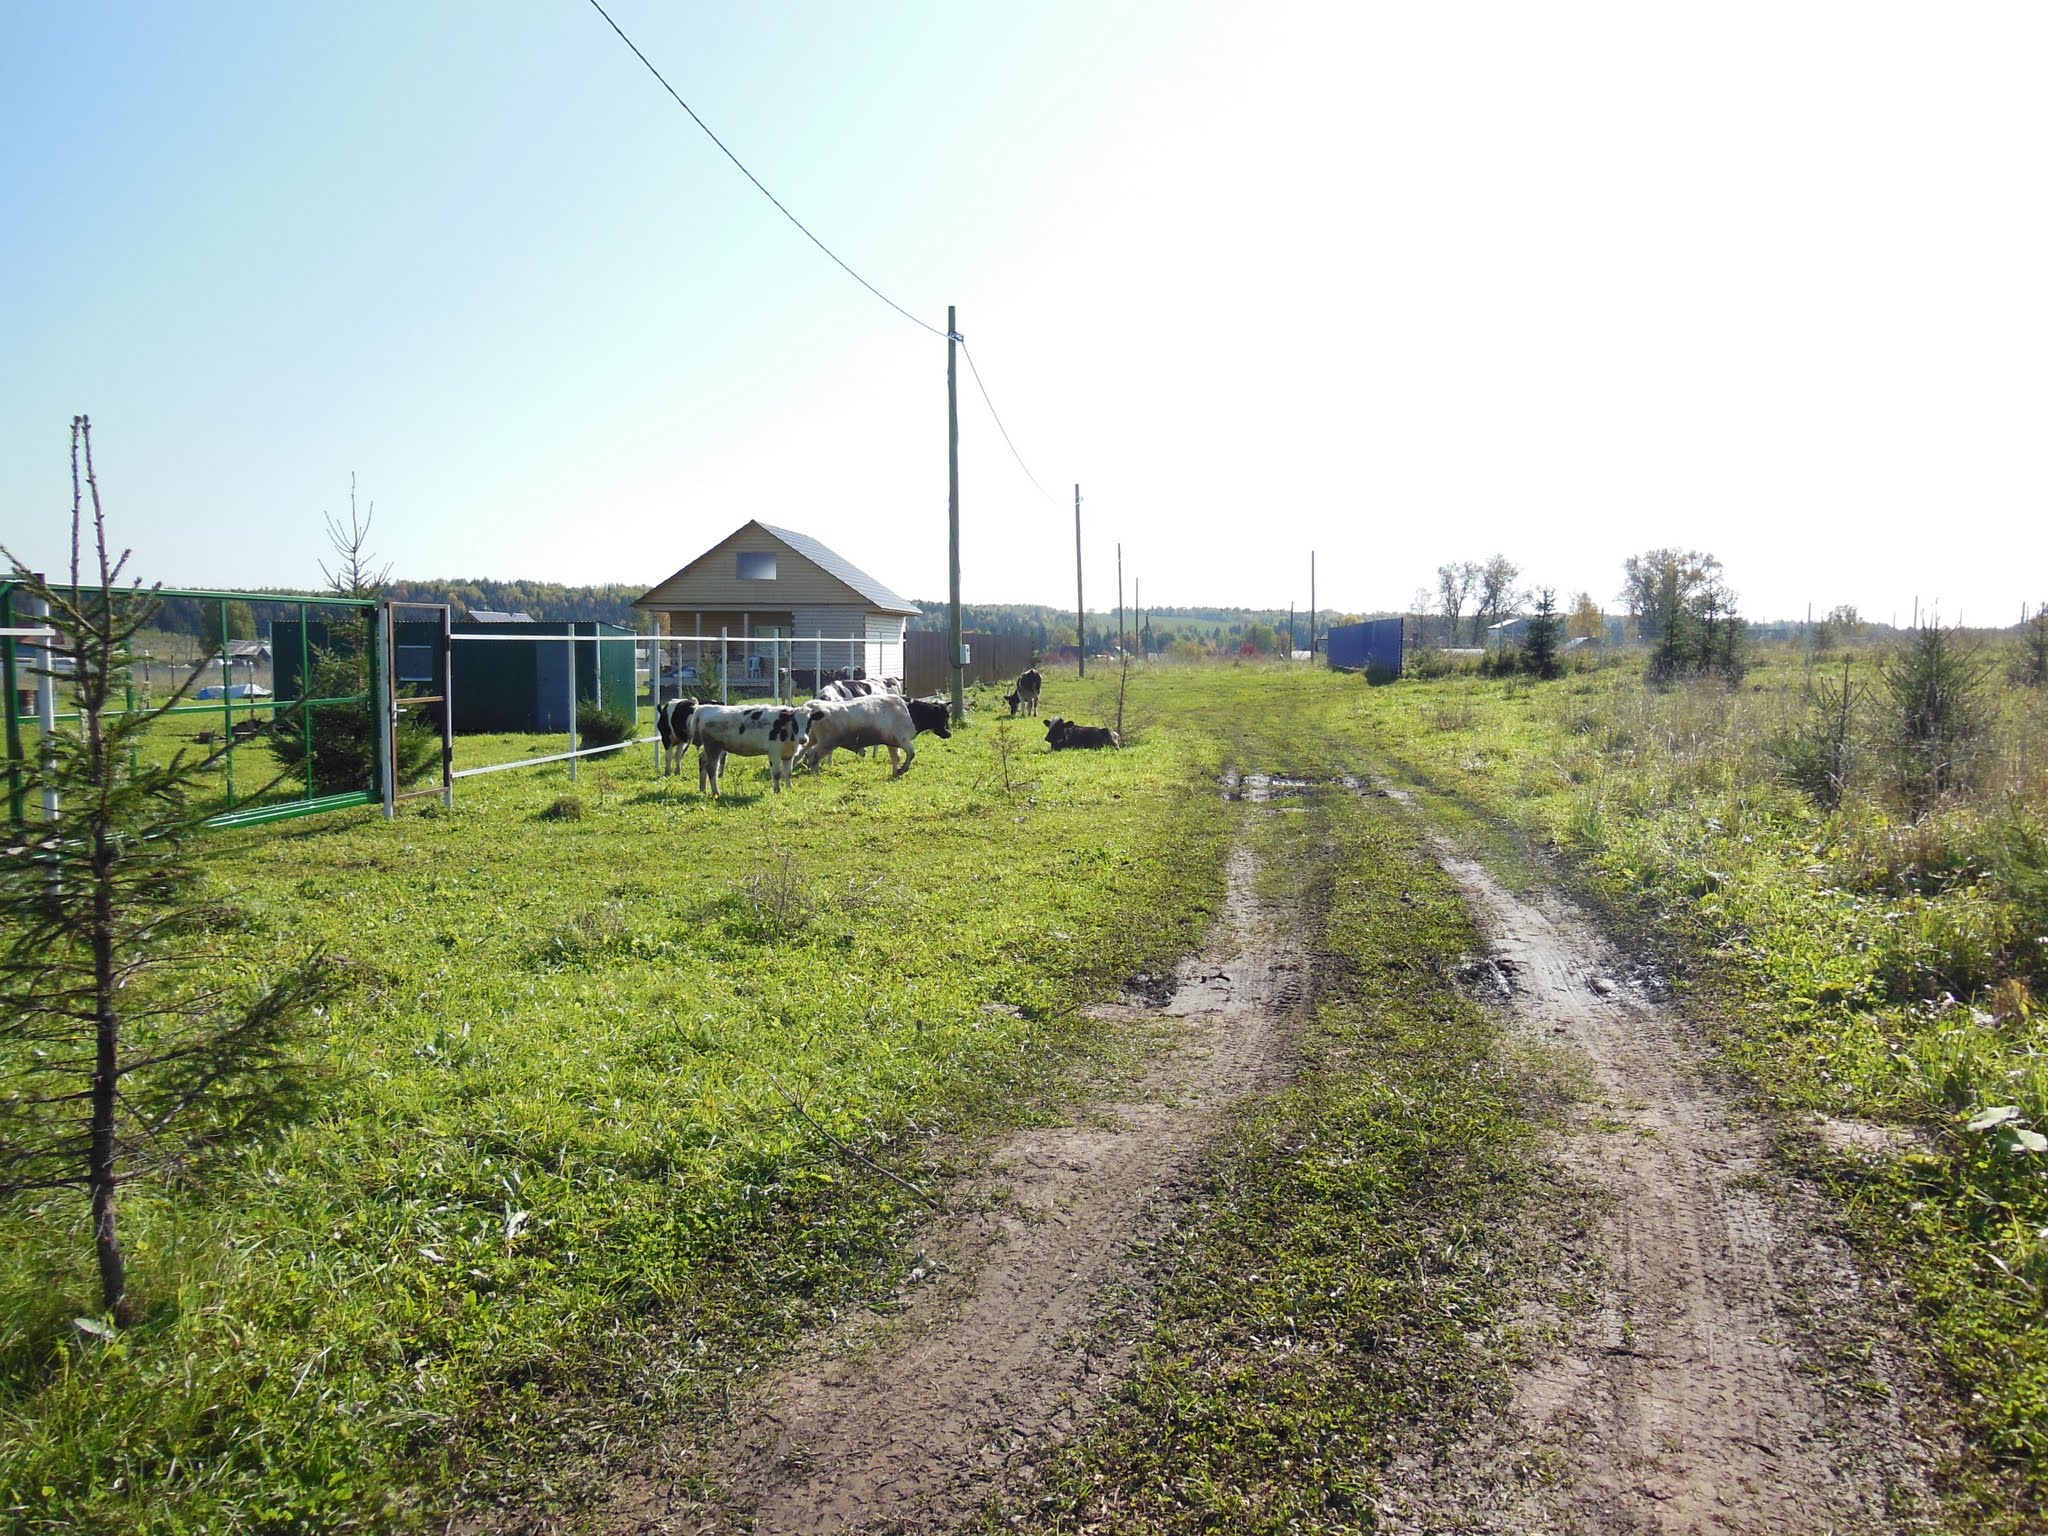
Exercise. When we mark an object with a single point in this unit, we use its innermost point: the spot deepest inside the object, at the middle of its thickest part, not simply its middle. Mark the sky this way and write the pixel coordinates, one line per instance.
(1385, 285)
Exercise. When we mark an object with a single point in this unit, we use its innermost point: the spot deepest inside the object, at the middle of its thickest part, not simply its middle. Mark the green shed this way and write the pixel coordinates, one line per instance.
(511, 677)
(508, 676)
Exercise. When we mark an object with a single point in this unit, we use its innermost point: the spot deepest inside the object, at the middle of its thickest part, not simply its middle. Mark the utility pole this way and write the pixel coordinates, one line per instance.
(1120, 599)
(1138, 615)
(953, 514)
(1080, 608)
(1311, 605)
(1290, 631)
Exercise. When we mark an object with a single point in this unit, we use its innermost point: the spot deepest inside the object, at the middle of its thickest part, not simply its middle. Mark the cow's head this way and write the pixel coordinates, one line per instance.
(1012, 700)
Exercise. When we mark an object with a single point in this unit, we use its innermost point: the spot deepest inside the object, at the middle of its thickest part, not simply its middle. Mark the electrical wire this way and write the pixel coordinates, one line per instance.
(735, 159)
(821, 245)
(999, 424)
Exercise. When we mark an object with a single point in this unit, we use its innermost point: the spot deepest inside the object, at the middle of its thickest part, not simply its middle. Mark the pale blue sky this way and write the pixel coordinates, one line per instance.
(1398, 284)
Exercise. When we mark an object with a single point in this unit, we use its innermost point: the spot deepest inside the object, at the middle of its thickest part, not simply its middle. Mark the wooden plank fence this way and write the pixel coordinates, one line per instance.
(992, 659)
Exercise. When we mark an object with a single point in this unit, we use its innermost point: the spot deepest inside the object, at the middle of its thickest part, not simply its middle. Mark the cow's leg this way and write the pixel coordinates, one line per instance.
(909, 754)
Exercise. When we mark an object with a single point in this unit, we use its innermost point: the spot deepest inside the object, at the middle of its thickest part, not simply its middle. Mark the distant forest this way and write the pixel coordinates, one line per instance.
(1048, 628)
(1210, 628)
(546, 600)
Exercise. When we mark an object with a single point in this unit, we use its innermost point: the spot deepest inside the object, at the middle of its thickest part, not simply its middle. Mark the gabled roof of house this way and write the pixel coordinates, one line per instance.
(826, 559)
(843, 568)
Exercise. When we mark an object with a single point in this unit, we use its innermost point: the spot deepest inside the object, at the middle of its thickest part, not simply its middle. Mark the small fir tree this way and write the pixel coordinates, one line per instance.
(116, 1058)
(1933, 687)
(1540, 646)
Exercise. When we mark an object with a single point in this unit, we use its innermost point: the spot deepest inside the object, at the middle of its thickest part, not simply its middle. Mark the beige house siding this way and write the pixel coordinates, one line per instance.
(712, 581)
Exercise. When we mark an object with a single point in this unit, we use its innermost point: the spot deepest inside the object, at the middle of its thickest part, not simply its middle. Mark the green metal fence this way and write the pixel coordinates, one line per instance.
(231, 718)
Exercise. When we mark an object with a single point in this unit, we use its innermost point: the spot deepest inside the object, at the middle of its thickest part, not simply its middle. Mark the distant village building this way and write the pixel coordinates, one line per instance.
(774, 585)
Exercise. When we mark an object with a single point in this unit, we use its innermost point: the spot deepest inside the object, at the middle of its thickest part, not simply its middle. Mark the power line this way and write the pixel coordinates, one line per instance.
(735, 159)
(821, 245)
(999, 424)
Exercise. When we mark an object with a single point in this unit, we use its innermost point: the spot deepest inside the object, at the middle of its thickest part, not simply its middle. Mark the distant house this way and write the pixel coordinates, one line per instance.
(779, 596)
(1506, 632)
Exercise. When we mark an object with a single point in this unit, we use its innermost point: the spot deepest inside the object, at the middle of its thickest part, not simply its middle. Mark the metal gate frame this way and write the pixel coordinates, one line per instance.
(391, 701)
(13, 640)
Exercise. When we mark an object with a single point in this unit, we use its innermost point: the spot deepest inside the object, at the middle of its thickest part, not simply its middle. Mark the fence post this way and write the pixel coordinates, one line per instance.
(447, 707)
(46, 708)
(572, 706)
(381, 636)
(724, 640)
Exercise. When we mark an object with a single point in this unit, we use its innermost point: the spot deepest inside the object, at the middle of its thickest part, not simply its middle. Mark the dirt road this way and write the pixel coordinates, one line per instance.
(1030, 1303)
(1703, 1390)
(1706, 1389)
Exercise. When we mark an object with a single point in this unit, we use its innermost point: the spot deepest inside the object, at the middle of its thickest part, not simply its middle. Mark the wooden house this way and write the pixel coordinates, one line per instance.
(782, 600)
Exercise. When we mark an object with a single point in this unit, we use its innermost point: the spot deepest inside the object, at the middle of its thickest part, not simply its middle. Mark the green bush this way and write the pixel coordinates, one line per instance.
(596, 727)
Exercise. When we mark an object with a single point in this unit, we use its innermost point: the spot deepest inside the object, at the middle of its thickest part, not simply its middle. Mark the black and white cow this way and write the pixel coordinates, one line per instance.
(672, 720)
(934, 715)
(746, 730)
(842, 689)
(1066, 736)
(882, 720)
(1025, 699)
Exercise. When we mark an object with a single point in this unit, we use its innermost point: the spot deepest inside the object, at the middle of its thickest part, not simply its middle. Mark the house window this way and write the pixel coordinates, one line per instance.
(757, 566)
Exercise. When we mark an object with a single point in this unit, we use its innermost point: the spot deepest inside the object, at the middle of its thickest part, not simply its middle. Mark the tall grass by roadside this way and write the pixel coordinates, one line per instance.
(1875, 935)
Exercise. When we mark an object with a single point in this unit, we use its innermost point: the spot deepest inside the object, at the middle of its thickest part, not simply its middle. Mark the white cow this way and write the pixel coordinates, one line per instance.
(881, 720)
(746, 730)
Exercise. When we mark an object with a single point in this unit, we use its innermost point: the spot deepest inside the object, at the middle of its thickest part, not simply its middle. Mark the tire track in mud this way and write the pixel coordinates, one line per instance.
(906, 1424)
(1696, 1398)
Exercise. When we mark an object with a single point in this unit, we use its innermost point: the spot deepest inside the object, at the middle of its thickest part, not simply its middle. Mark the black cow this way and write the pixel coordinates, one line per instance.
(1025, 699)
(1066, 736)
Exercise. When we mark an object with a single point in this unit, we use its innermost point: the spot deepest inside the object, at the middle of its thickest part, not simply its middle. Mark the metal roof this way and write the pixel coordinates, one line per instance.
(838, 565)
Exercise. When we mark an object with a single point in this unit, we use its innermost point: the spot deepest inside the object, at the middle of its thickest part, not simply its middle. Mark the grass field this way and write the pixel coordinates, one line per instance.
(1863, 968)
(560, 1164)
(548, 1154)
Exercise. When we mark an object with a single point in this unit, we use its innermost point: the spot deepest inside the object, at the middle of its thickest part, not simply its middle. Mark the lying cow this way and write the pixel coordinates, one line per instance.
(743, 730)
(1065, 735)
(1025, 699)
(672, 721)
(883, 720)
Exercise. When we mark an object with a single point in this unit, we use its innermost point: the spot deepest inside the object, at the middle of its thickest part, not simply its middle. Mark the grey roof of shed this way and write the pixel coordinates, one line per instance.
(843, 568)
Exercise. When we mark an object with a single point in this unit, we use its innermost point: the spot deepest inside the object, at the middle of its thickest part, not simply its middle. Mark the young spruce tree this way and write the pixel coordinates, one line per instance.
(118, 1058)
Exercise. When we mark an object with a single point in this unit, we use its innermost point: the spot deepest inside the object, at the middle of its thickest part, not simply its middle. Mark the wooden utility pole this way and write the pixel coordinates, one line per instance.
(1311, 605)
(1138, 614)
(953, 515)
(1120, 645)
(1290, 631)
(1080, 608)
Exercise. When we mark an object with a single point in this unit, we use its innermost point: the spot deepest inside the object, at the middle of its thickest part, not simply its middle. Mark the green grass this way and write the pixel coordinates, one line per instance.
(542, 1187)
(1347, 1285)
(551, 1171)
(1853, 964)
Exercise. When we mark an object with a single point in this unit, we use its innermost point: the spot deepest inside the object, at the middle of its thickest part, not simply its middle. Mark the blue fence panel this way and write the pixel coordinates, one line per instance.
(1373, 648)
